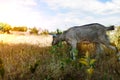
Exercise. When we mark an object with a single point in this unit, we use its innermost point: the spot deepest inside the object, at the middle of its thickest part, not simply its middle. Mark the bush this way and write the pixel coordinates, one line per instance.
(34, 30)
(115, 36)
(4, 27)
(20, 28)
(45, 32)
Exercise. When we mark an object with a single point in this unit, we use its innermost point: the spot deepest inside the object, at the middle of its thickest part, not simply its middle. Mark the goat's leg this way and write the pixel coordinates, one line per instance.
(105, 41)
(98, 51)
(73, 52)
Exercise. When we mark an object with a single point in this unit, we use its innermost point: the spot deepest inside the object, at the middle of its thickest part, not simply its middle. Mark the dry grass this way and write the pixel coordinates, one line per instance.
(18, 53)
(32, 58)
(17, 59)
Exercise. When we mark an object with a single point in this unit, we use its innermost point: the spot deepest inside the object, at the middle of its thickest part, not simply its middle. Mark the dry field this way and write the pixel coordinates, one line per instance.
(42, 40)
(18, 53)
(30, 57)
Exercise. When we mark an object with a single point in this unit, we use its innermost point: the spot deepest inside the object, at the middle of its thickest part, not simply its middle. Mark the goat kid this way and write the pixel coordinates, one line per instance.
(94, 32)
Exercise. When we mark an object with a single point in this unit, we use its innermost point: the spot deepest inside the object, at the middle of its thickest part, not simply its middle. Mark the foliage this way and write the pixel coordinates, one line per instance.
(89, 64)
(34, 30)
(118, 37)
(5, 27)
(58, 31)
(20, 28)
(45, 32)
(115, 36)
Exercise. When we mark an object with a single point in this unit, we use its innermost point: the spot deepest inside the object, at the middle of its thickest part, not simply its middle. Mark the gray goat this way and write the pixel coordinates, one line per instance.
(94, 32)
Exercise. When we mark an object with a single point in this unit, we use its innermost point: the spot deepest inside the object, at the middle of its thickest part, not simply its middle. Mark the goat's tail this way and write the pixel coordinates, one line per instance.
(110, 28)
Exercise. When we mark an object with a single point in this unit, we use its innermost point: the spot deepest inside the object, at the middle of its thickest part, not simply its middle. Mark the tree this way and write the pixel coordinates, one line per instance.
(58, 31)
(20, 28)
(4, 27)
(34, 30)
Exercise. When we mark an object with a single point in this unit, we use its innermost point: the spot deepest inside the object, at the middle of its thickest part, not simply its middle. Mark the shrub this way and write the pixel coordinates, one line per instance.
(20, 28)
(34, 30)
(4, 27)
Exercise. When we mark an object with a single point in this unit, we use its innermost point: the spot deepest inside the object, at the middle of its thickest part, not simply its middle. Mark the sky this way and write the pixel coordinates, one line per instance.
(59, 14)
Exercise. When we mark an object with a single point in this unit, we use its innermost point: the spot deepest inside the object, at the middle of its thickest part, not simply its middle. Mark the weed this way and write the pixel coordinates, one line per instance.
(89, 64)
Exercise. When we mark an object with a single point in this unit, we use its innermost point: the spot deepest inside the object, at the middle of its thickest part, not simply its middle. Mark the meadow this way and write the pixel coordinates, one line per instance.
(31, 57)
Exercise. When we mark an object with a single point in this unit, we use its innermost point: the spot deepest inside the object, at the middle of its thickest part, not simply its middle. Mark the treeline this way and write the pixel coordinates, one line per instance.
(6, 28)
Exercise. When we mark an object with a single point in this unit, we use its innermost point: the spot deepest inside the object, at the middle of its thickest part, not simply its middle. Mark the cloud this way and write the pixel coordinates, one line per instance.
(93, 6)
(27, 2)
(20, 12)
(53, 14)
(86, 11)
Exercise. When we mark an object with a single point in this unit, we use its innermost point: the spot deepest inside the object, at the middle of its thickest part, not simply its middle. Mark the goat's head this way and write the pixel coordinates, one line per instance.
(55, 39)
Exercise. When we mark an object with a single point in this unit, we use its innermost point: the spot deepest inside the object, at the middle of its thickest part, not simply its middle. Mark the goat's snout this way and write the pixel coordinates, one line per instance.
(54, 41)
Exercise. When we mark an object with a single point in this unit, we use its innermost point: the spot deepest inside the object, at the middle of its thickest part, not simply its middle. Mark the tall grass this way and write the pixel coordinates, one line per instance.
(32, 62)
(17, 59)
